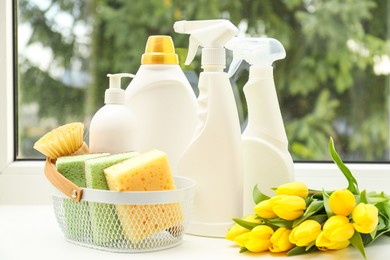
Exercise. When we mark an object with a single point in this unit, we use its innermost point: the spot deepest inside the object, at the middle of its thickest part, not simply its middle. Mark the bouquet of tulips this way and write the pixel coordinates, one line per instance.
(299, 220)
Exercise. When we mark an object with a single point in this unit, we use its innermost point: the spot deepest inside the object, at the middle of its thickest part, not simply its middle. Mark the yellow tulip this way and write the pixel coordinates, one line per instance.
(264, 209)
(365, 218)
(241, 239)
(293, 188)
(342, 202)
(280, 240)
(237, 230)
(288, 207)
(259, 239)
(338, 228)
(305, 233)
(324, 244)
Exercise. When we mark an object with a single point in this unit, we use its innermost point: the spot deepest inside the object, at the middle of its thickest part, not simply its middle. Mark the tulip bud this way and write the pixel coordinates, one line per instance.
(288, 207)
(259, 239)
(280, 240)
(293, 188)
(323, 243)
(305, 233)
(338, 228)
(264, 209)
(342, 202)
(241, 239)
(237, 229)
(365, 218)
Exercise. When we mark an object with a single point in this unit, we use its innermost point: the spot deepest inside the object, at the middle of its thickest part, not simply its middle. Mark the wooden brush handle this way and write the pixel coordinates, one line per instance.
(60, 182)
(82, 150)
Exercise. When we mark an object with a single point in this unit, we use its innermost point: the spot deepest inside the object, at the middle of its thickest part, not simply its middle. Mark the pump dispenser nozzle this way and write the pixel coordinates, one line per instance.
(255, 51)
(115, 94)
(209, 34)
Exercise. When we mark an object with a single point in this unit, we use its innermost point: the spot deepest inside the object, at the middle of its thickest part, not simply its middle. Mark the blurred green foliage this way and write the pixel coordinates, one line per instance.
(326, 85)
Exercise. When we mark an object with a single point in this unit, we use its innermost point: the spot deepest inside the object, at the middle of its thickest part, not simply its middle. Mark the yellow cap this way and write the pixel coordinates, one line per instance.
(159, 50)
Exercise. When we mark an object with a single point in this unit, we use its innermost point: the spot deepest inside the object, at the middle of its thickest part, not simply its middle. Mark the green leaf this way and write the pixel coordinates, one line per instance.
(352, 183)
(321, 218)
(363, 197)
(300, 250)
(328, 210)
(243, 250)
(316, 195)
(373, 234)
(357, 242)
(258, 196)
(384, 209)
(309, 246)
(383, 222)
(312, 209)
(246, 224)
(276, 223)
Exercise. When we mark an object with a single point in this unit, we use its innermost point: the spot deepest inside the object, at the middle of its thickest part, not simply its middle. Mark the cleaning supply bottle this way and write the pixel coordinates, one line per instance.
(112, 128)
(213, 158)
(266, 159)
(162, 101)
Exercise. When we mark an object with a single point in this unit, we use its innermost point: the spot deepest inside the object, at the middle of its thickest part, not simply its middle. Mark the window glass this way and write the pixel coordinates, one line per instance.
(333, 82)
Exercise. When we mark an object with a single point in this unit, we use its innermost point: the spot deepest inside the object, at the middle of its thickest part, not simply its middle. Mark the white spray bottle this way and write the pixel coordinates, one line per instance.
(213, 157)
(266, 159)
(112, 128)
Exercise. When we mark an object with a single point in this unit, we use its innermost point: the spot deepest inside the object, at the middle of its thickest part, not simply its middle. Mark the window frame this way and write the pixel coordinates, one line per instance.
(23, 181)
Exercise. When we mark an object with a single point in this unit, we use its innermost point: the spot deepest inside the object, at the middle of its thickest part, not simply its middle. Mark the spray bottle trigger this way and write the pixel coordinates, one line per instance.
(192, 49)
(234, 67)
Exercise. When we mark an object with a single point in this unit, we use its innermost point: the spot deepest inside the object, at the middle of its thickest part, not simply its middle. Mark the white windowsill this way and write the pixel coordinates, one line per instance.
(32, 233)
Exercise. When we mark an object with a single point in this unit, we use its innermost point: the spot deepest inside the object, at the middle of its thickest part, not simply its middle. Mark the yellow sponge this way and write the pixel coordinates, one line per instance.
(146, 172)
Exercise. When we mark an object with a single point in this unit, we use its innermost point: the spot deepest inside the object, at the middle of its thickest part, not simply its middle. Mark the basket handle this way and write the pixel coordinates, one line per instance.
(60, 182)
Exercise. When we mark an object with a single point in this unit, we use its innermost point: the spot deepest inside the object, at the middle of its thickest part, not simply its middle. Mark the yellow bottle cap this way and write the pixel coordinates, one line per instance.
(159, 50)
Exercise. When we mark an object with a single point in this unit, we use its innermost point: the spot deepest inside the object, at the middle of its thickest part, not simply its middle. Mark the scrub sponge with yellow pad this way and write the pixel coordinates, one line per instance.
(149, 171)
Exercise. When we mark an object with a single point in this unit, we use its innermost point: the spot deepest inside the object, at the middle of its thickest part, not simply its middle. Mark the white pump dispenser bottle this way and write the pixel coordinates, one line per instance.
(162, 101)
(213, 157)
(112, 127)
(266, 159)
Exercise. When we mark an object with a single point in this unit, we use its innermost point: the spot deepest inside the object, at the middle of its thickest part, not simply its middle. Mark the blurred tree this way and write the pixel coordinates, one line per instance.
(326, 85)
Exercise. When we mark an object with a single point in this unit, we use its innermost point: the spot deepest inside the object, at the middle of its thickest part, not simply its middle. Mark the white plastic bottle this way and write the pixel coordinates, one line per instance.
(213, 158)
(162, 101)
(266, 159)
(112, 128)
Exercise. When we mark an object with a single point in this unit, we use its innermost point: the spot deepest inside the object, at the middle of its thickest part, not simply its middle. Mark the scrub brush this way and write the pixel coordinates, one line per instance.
(62, 141)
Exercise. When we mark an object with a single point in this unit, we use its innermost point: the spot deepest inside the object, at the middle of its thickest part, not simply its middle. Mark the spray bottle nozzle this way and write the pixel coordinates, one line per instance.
(255, 51)
(207, 34)
(115, 94)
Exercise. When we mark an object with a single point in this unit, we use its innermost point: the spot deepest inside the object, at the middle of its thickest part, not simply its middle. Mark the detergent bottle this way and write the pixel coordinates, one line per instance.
(162, 101)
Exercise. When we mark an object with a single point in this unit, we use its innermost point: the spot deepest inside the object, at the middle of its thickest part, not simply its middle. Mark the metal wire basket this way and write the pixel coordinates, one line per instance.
(123, 221)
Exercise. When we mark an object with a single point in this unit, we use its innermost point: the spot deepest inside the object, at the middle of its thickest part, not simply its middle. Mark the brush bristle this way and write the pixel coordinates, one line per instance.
(62, 141)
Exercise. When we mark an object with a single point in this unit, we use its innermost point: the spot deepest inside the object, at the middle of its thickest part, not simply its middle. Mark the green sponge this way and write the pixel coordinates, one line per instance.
(106, 227)
(72, 167)
(77, 225)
